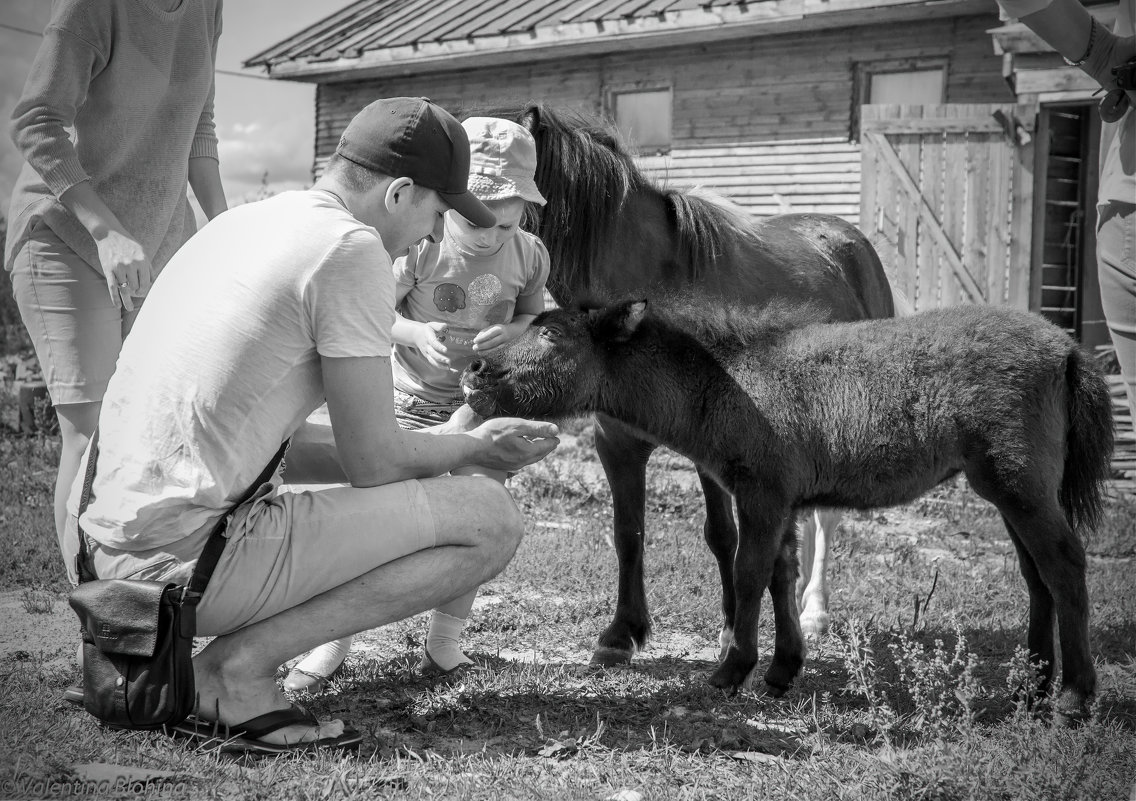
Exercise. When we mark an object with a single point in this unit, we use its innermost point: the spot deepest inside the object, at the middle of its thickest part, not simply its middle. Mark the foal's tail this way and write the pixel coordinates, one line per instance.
(1088, 442)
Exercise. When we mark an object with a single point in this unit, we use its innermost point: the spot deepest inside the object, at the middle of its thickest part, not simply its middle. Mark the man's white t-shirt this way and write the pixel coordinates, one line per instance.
(223, 362)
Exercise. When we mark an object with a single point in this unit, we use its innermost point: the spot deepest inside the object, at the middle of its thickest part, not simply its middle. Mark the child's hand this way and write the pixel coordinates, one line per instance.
(430, 340)
(493, 337)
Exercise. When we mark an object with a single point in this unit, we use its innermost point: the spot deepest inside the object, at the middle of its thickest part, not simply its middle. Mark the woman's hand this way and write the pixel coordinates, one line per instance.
(123, 263)
(126, 268)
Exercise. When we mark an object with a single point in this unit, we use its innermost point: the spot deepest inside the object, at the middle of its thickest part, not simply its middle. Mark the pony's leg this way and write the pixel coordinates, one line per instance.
(789, 647)
(624, 455)
(721, 535)
(1060, 561)
(817, 530)
(1040, 634)
(761, 525)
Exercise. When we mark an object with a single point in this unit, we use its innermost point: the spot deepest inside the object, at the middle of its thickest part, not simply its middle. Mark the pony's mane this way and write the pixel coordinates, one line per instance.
(587, 173)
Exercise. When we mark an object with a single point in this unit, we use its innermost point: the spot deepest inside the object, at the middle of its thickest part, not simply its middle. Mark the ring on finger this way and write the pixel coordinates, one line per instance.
(123, 285)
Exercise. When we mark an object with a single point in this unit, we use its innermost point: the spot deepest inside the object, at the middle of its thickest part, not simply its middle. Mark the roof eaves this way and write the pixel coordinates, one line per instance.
(597, 36)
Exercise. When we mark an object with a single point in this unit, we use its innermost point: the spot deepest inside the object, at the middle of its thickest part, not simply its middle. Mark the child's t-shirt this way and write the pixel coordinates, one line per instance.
(467, 292)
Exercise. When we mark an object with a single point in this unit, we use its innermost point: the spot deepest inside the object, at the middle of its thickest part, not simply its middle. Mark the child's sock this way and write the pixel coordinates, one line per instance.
(324, 660)
(442, 641)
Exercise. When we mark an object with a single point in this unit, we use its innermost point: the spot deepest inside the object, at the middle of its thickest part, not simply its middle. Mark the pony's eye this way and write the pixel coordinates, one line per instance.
(549, 333)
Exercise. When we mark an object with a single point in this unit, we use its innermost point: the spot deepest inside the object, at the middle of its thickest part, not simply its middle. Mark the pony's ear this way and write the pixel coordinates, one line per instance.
(530, 119)
(618, 323)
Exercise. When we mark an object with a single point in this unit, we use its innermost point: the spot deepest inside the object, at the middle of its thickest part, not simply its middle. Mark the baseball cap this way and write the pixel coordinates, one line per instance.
(502, 160)
(414, 138)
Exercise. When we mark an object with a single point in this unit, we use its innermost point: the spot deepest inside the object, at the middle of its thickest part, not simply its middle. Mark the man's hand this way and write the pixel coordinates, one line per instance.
(127, 271)
(511, 443)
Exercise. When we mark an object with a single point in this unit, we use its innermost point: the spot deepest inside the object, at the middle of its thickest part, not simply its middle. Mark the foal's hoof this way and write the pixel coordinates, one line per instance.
(733, 675)
(605, 656)
(1070, 712)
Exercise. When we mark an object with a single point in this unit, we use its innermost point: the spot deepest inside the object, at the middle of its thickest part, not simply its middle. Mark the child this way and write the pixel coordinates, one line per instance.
(474, 291)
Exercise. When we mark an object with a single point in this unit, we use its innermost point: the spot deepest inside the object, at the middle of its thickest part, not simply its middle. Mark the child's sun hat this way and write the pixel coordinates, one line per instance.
(502, 160)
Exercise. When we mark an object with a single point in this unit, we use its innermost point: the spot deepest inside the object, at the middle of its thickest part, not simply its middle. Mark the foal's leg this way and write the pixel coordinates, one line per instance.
(817, 530)
(624, 455)
(721, 536)
(761, 526)
(789, 648)
(1029, 505)
(1060, 561)
(1040, 634)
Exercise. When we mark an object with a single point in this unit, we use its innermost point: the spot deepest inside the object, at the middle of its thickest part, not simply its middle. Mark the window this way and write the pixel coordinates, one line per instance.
(644, 118)
(918, 87)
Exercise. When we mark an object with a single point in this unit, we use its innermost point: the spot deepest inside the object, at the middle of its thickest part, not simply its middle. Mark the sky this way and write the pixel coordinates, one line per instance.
(263, 126)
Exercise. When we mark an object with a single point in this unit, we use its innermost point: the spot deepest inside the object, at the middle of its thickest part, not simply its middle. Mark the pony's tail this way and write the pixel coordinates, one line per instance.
(1088, 441)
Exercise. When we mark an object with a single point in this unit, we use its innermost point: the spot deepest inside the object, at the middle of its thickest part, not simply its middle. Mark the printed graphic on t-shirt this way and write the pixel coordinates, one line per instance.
(449, 298)
(482, 302)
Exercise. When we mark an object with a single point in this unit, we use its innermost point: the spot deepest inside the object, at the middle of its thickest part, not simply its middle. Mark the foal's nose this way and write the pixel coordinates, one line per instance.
(476, 366)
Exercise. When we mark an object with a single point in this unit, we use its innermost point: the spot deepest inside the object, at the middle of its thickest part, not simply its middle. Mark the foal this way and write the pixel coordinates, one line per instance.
(858, 415)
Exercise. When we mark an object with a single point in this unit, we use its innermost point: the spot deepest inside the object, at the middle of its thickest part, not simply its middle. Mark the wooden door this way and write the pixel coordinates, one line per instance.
(947, 199)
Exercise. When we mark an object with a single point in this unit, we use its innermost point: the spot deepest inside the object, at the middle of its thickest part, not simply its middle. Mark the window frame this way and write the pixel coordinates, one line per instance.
(862, 82)
(613, 91)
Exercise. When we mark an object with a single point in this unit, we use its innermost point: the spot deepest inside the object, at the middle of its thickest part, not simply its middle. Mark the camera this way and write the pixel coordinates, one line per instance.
(1126, 76)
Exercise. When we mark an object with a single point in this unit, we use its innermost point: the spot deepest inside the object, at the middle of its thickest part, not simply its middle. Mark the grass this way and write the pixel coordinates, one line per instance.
(910, 697)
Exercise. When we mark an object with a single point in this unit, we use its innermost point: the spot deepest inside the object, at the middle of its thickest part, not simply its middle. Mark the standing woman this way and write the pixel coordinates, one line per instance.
(115, 119)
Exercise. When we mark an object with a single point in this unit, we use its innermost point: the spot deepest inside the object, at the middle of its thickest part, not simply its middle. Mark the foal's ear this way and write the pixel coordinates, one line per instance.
(618, 323)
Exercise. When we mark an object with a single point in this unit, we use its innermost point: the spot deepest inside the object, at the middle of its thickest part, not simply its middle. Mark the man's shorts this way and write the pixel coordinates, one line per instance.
(75, 328)
(286, 545)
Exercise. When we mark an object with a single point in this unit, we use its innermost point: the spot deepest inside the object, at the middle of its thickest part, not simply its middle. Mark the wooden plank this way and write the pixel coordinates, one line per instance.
(883, 221)
(932, 125)
(1062, 79)
(1020, 233)
(907, 148)
(971, 241)
(908, 186)
(956, 201)
(998, 222)
(928, 261)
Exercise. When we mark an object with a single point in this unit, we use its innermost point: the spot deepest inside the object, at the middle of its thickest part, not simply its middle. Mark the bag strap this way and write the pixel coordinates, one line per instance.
(82, 564)
(211, 553)
(213, 547)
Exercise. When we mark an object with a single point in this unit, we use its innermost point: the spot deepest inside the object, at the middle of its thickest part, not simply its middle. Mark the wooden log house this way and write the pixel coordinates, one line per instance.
(954, 137)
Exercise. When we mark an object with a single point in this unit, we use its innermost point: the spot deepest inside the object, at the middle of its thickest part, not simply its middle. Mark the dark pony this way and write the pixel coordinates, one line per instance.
(613, 232)
(858, 415)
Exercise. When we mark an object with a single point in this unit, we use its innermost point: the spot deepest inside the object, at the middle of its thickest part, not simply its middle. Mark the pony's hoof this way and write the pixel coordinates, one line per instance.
(815, 625)
(605, 656)
(732, 676)
(1070, 712)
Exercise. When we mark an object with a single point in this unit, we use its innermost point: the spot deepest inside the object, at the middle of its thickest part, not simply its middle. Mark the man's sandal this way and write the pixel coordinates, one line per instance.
(247, 737)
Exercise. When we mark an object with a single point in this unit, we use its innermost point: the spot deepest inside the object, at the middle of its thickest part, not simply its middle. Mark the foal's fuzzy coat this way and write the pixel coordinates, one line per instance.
(855, 415)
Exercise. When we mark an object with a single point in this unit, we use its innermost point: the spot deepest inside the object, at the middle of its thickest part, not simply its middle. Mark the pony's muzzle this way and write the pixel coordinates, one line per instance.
(479, 385)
